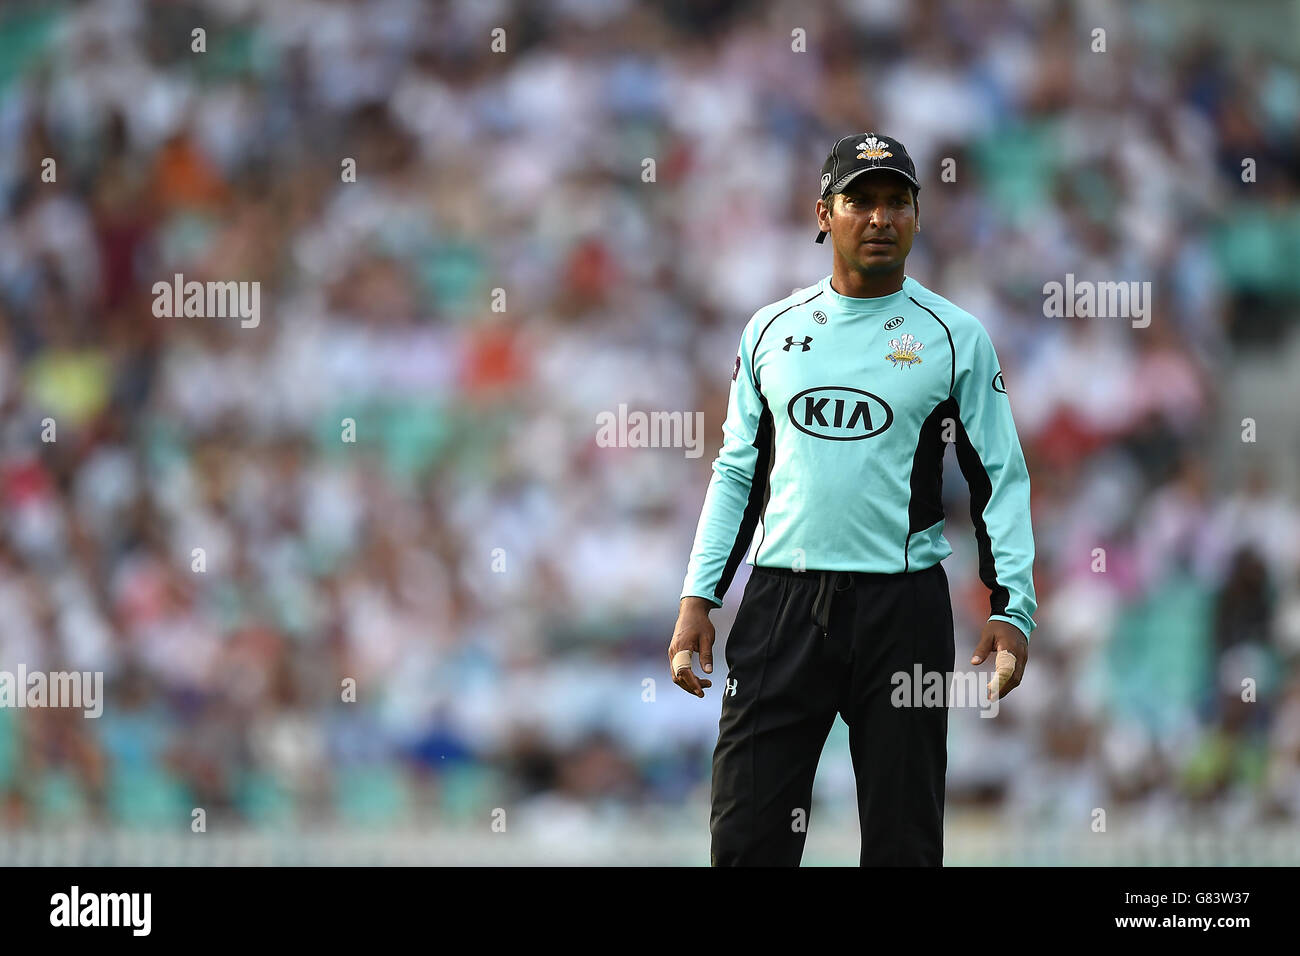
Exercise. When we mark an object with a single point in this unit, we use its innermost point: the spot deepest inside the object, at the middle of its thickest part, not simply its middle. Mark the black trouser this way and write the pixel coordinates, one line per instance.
(805, 646)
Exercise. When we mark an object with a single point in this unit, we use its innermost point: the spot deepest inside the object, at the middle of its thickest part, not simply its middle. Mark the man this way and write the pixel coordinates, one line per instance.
(844, 397)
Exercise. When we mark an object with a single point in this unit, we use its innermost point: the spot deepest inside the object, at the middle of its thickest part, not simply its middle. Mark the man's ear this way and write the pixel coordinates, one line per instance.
(916, 205)
(821, 205)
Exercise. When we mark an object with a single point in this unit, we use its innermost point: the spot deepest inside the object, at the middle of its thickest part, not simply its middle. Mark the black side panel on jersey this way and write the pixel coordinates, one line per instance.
(757, 503)
(767, 483)
(981, 488)
(925, 504)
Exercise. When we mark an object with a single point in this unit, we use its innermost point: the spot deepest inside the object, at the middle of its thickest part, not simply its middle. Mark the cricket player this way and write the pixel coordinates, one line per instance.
(844, 397)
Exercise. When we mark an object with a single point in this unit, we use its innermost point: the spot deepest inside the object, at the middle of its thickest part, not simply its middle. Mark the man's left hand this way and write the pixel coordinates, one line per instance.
(1001, 636)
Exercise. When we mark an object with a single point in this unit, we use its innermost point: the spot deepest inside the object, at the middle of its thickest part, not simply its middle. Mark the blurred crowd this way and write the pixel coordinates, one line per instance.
(424, 590)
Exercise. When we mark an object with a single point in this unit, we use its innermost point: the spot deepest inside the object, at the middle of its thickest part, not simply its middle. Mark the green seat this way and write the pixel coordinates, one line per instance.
(8, 748)
(373, 794)
(149, 797)
(262, 799)
(59, 797)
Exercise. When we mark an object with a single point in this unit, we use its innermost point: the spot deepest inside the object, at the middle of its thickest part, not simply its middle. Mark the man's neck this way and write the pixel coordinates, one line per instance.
(850, 282)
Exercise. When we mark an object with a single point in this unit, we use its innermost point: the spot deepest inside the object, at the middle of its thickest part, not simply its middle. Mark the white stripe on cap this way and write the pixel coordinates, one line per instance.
(835, 155)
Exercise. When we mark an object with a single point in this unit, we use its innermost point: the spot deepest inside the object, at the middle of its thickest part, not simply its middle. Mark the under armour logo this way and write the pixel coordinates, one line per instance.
(803, 346)
(731, 688)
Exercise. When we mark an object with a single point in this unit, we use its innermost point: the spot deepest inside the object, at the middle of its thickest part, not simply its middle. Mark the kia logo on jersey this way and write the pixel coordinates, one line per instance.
(839, 413)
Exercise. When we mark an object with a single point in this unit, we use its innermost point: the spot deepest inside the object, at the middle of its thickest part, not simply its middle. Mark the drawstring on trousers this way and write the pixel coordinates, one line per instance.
(822, 603)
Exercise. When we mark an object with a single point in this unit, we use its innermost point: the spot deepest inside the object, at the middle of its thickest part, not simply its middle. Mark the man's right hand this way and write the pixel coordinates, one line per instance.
(694, 632)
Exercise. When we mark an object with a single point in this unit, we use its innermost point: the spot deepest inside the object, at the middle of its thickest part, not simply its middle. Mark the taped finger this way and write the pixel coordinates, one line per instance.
(1004, 670)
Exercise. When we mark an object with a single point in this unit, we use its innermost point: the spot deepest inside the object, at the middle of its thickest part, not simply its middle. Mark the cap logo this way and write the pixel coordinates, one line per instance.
(826, 181)
(872, 148)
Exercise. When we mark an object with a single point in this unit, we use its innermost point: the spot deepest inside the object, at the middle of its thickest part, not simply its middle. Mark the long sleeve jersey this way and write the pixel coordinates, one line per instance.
(832, 458)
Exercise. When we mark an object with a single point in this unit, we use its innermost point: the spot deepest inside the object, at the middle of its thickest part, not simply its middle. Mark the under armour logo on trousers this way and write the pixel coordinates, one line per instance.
(803, 346)
(731, 688)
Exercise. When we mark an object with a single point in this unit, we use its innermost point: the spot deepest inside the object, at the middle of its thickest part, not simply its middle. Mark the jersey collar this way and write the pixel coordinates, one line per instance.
(883, 303)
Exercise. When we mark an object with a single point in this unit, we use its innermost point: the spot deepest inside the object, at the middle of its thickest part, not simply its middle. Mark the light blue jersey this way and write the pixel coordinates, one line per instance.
(832, 455)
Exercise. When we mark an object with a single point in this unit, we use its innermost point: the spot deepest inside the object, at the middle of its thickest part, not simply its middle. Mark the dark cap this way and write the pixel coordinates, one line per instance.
(858, 153)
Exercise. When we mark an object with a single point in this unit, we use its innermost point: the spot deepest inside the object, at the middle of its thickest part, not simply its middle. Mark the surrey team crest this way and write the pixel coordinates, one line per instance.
(872, 148)
(903, 351)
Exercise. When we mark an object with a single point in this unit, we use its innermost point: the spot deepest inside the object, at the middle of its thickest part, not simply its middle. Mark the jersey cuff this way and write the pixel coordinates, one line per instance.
(695, 593)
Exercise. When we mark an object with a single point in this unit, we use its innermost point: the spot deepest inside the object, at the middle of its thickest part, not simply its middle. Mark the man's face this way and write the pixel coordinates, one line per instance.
(874, 222)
